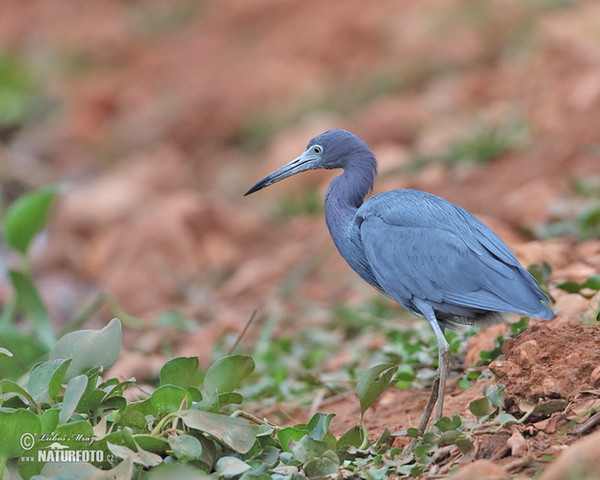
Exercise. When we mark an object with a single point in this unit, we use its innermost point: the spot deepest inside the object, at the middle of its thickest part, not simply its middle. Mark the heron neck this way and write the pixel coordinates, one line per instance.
(346, 193)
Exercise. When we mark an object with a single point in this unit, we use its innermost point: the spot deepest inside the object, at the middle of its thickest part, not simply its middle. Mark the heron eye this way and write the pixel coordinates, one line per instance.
(317, 149)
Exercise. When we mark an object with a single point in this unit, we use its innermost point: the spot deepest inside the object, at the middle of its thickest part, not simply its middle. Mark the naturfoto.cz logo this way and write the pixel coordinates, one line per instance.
(58, 449)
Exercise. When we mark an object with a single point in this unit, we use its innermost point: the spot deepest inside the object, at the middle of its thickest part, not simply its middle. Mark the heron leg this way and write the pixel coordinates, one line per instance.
(428, 410)
(439, 385)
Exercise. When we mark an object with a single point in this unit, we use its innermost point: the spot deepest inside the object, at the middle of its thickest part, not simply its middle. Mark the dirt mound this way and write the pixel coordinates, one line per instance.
(548, 362)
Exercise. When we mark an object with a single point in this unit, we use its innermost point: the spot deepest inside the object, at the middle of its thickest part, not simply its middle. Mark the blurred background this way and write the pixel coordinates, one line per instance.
(154, 117)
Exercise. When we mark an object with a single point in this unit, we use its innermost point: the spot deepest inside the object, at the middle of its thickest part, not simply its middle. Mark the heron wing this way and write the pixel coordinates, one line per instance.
(419, 245)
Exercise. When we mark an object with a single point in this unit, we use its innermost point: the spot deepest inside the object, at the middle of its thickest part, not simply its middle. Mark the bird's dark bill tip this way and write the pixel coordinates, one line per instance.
(255, 188)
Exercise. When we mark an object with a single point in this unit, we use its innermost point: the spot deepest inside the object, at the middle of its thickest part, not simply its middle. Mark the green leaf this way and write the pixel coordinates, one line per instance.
(406, 372)
(570, 286)
(506, 419)
(76, 429)
(268, 456)
(19, 431)
(325, 466)
(231, 398)
(319, 425)
(150, 443)
(446, 424)
(592, 282)
(30, 303)
(495, 394)
(373, 383)
(227, 373)
(169, 398)
(131, 418)
(229, 467)
(49, 420)
(5, 352)
(234, 432)
(73, 392)
(89, 348)
(46, 379)
(77, 470)
(141, 457)
(290, 433)
(180, 471)
(540, 271)
(449, 437)
(182, 372)
(185, 447)
(9, 389)
(307, 449)
(480, 407)
(26, 217)
(352, 438)
(464, 445)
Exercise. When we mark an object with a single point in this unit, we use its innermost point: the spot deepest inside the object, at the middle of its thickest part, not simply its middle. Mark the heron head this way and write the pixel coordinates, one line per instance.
(332, 149)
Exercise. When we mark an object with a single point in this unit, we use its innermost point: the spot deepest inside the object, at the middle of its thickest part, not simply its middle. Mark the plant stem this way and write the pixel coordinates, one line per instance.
(162, 423)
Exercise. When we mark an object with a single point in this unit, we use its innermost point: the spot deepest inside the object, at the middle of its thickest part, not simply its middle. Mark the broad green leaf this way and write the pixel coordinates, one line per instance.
(89, 348)
(77, 470)
(141, 457)
(592, 282)
(235, 432)
(268, 456)
(506, 419)
(169, 398)
(373, 383)
(150, 443)
(307, 449)
(77, 434)
(446, 424)
(19, 431)
(227, 373)
(290, 433)
(185, 447)
(406, 372)
(182, 372)
(49, 420)
(73, 392)
(324, 466)
(480, 407)
(570, 286)
(495, 394)
(179, 471)
(231, 398)
(540, 271)
(26, 217)
(30, 303)
(449, 437)
(133, 419)
(46, 379)
(319, 425)
(229, 467)
(464, 445)
(9, 389)
(352, 438)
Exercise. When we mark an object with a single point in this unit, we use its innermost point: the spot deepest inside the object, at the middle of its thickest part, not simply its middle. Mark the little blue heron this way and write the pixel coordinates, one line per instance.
(429, 255)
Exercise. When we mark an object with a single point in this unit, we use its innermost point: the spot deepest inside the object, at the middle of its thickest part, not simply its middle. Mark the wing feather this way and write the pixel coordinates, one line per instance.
(420, 246)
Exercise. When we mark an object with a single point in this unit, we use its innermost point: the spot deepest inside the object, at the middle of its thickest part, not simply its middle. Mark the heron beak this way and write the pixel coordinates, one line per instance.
(306, 161)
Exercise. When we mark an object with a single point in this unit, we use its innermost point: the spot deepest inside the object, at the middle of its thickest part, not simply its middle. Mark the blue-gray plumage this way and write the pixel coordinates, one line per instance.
(431, 256)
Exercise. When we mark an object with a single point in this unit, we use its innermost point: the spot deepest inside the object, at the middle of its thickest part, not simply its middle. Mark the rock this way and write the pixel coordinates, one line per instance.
(580, 460)
(481, 470)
